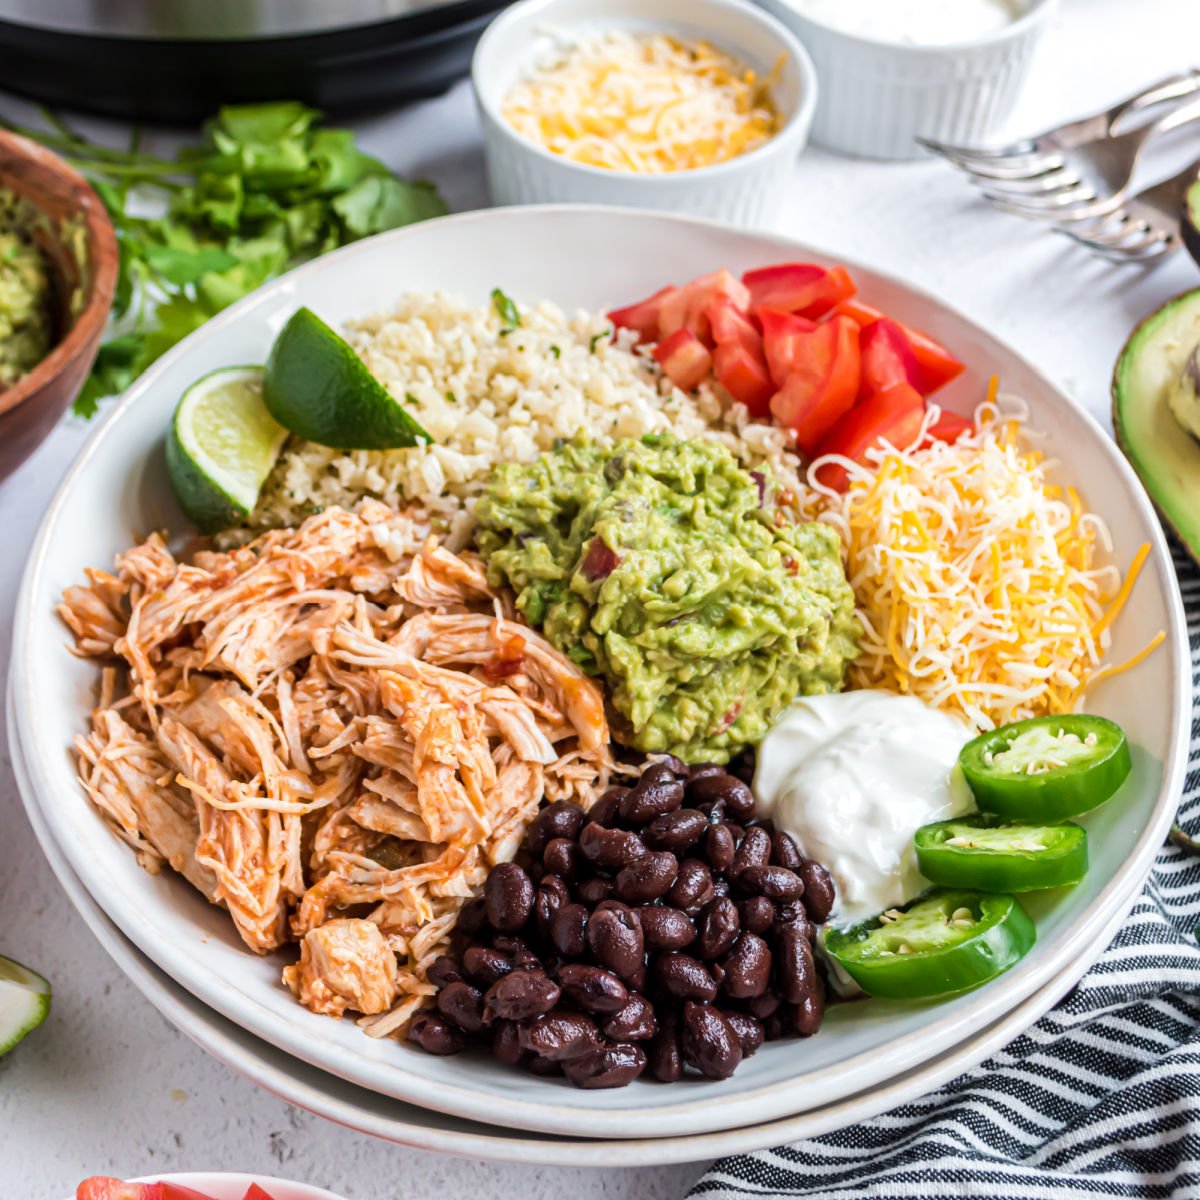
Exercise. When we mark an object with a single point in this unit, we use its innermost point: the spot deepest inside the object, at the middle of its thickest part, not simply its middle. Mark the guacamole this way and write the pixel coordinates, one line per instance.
(26, 294)
(668, 570)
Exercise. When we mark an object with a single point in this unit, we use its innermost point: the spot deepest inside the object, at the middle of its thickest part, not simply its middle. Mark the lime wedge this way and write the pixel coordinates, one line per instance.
(24, 1002)
(222, 445)
(317, 387)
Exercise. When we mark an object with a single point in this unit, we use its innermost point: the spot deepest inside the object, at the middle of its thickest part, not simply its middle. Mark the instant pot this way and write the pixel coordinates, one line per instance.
(177, 60)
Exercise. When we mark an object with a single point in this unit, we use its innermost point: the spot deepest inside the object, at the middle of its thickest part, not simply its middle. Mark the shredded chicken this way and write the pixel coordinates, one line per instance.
(333, 732)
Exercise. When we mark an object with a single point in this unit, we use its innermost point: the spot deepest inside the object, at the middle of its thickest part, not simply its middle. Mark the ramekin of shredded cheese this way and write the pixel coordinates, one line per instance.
(982, 587)
(688, 105)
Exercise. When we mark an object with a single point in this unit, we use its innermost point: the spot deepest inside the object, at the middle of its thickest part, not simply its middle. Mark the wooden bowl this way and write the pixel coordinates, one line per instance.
(31, 407)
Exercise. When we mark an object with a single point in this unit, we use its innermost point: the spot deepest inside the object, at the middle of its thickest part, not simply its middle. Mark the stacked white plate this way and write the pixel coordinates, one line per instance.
(184, 954)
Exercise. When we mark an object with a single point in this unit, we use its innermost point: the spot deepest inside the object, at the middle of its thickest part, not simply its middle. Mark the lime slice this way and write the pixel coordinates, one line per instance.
(321, 390)
(222, 445)
(24, 1002)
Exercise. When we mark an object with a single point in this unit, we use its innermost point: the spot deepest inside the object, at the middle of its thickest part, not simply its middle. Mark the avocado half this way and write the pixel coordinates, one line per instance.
(1165, 456)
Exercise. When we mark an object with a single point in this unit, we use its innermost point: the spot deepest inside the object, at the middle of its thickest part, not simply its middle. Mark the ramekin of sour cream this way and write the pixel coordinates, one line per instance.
(852, 777)
(895, 70)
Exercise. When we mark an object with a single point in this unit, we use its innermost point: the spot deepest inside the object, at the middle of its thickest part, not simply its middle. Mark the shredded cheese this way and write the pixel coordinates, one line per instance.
(648, 104)
(978, 583)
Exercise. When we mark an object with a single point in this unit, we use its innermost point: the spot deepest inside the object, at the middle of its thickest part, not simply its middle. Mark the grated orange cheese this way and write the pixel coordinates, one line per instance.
(649, 104)
(977, 581)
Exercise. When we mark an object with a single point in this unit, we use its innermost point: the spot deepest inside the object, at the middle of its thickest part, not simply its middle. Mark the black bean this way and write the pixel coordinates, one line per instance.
(552, 894)
(610, 848)
(506, 1043)
(604, 811)
(795, 970)
(722, 886)
(713, 810)
(710, 1041)
(443, 970)
(718, 928)
(757, 914)
(693, 887)
(665, 1058)
(666, 928)
(611, 1066)
(543, 1066)
(719, 847)
(819, 892)
(569, 931)
(676, 766)
(785, 852)
(636, 1022)
(484, 965)
(763, 1006)
(563, 858)
(516, 951)
(749, 1030)
(614, 935)
(742, 767)
(462, 1005)
(683, 977)
(559, 1035)
(558, 820)
(471, 918)
(647, 878)
(737, 798)
(792, 913)
(778, 883)
(747, 967)
(656, 793)
(592, 988)
(675, 831)
(522, 994)
(593, 891)
(754, 851)
(508, 894)
(778, 1025)
(807, 1015)
(434, 1034)
(700, 770)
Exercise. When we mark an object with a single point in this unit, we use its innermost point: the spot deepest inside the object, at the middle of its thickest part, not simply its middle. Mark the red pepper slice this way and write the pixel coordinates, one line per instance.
(822, 384)
(802, 288)
(684, 358)
(938, 365)
(895, 415)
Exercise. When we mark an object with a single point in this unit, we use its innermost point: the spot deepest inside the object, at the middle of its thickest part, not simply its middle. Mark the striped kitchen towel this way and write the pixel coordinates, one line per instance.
(1101, 1097)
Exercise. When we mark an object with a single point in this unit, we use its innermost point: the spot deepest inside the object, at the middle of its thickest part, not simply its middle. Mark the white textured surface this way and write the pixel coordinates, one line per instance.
(107, 1085)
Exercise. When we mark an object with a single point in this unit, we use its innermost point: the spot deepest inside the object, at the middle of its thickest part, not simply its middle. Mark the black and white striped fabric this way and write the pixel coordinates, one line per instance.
(1101, 1097)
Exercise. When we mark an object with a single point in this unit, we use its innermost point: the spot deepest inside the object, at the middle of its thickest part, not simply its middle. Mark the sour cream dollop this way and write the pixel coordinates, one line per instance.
(852, 777)
(915, 22)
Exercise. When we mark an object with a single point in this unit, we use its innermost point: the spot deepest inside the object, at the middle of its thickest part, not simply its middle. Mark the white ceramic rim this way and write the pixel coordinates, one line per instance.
(249, 1057)
(849, 1077)
(1035, 11)
(780, 143)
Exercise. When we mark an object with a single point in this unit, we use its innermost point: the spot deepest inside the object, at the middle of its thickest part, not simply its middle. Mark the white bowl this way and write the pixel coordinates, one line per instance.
(224, 1185)
(588, 257)
(356, 1108)
(878, 97)
(746, 190)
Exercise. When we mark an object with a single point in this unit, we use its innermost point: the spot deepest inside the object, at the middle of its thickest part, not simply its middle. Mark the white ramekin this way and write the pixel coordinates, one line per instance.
(877, 97)
(744, 191)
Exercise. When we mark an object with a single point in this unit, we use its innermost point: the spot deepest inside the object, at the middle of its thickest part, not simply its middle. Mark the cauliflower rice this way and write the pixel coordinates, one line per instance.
(488, 394)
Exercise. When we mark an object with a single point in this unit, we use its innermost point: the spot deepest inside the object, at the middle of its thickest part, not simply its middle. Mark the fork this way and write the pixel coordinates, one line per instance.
(1145, 227)
(1089, 181)
(1013, 160)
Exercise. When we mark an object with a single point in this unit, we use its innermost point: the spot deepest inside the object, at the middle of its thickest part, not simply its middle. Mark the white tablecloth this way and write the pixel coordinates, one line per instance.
(107, 1085)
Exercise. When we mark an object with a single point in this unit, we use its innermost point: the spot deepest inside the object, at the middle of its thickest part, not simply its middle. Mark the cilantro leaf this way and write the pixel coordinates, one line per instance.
(506, 310)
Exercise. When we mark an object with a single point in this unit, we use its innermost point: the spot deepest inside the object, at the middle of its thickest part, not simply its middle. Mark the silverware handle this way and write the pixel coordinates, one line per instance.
(1176, 117)
(1174, 87)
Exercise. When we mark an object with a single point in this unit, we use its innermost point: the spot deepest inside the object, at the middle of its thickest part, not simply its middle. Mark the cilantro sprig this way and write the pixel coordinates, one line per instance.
(268, 187)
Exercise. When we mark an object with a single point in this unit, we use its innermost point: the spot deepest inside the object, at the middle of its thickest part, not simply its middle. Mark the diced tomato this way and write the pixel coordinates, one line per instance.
(643, 316)
(802, 288)
(731, 325)
(949, 427)
(687, 309)
(938, 365)
(104, 1187)
(822, 383)
(254, 1192)
(887, 358)
(684, 358)
(743, 374)
(783, 341)
(894, 415)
